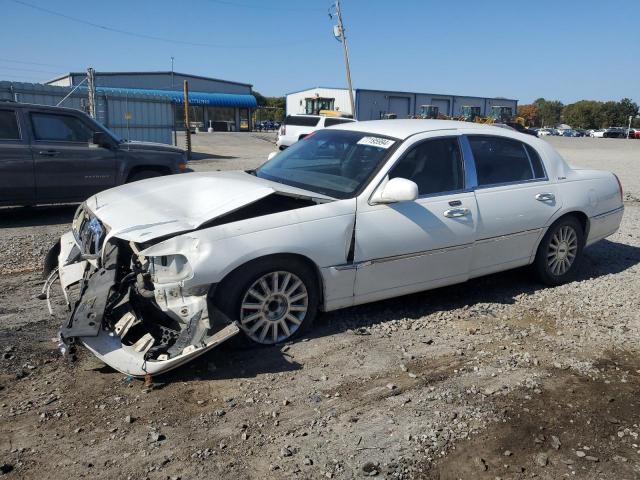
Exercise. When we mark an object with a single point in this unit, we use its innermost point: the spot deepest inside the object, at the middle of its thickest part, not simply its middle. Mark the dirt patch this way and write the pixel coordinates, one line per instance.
(576, 426)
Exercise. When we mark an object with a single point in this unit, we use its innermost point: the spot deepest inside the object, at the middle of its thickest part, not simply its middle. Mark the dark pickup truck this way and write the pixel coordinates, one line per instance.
(60, 155)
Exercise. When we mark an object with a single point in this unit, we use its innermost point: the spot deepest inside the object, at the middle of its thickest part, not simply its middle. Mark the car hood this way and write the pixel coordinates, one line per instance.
(162, 206)
(150, 146)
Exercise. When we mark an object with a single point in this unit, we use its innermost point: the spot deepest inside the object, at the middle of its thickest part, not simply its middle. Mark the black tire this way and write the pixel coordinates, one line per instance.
(143, 175)
(556, 273)
(233, 290)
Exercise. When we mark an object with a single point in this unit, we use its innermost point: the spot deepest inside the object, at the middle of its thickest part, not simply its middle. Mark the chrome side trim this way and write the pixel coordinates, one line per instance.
(502, 237)
(403, 256)
(364, 263)
(610, 212)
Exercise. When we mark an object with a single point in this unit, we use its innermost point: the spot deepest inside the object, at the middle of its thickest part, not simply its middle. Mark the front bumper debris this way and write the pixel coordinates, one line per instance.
(132, 325)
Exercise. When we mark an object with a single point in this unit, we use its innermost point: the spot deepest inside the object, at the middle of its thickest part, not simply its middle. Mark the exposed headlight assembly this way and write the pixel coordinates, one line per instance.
(169, 268)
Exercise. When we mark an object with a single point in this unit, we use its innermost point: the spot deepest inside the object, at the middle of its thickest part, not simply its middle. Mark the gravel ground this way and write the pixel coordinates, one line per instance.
(495, 378)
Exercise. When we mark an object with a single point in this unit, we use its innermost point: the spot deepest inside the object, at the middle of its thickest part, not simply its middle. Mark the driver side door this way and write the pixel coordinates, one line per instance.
(411, 246)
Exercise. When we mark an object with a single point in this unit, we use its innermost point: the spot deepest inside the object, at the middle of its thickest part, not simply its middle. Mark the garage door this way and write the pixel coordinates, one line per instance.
(442, 104)
(399, 106)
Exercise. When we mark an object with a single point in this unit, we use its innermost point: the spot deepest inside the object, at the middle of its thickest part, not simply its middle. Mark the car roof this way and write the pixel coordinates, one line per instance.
(53, 108)
(403, 129)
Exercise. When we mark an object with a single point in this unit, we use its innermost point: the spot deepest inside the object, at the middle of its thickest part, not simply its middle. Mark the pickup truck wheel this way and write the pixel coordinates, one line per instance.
(143, 175)
(273, 302)
(560, 251)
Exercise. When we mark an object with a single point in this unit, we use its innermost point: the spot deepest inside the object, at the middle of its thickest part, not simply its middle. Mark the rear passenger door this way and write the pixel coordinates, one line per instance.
(17, 180)
(515, 199)
(67, 168)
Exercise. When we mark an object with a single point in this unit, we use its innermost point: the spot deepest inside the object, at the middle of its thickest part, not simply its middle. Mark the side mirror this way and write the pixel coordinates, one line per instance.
(396, 190)
(101, 139)
(271, 155)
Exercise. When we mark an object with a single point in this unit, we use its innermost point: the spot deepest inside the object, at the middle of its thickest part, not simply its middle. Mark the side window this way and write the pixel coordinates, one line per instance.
(434, 165)
(335, 121)
(9, 125)
(502, 160)
(59, 128)
(536, 162)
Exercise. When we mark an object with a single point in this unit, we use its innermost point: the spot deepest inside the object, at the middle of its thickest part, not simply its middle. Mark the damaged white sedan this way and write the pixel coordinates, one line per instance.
(166, 269)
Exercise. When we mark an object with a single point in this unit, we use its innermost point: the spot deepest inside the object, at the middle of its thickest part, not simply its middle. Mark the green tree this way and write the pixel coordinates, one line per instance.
(583, 114)
(549, 111)
(269, 108)
(628, 108)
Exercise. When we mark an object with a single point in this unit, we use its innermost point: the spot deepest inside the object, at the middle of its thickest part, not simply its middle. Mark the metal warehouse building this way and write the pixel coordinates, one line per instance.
(129, 115)
(223, 104)
(374, 104)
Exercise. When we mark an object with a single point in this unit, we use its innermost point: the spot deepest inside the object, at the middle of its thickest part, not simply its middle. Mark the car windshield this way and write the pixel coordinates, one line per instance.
(336, 163)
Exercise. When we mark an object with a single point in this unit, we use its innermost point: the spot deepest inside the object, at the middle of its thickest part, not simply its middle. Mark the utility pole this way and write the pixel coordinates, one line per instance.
(340, 36)
(171, 73)
(186, 119)
(91, 91)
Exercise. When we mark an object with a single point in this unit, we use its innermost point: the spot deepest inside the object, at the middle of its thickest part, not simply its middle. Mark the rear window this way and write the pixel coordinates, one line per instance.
(336, 121)
(9, 125)
(503, 160)
(302, 121)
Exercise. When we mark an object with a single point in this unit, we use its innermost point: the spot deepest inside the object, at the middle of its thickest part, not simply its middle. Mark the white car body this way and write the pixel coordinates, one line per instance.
(598, 133)
(362, 248)
(289, 133)
(544, 132)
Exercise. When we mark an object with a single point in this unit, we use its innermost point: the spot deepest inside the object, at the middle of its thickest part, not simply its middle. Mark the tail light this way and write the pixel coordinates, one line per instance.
(619, 187)
(283, 130)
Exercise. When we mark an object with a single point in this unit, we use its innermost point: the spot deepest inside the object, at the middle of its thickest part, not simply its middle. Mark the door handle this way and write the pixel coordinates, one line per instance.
(457, 212)
(49, 153)
(545, 197)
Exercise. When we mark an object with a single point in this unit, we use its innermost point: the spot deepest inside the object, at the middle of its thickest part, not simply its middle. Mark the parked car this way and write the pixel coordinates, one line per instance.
(572, 133)
(637, 133)
(296, 127)
(598, 133)
(171, 267)
(614, 132)
(545, 132)
(59, 155)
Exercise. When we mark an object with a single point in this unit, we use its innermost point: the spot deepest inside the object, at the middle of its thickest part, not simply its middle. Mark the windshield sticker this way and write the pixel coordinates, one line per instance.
(376, 142)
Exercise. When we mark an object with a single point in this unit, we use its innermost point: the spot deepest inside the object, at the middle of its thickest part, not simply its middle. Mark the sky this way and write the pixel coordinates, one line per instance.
(567, 50)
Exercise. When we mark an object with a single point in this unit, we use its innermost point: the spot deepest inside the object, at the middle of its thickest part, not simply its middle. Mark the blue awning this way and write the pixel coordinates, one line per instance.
(195, 98)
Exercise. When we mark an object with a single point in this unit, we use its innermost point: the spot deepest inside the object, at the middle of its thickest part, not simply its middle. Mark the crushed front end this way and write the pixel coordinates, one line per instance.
(132, 311)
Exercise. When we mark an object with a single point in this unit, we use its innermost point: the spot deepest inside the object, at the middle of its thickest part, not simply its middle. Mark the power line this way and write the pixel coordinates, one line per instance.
(266, 7)
(31, 77)
(31, 63)
(142, 35)
(3, 67)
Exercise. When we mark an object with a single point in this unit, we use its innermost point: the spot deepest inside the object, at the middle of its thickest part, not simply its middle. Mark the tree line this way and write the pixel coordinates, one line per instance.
(269, 108)
(582, 114)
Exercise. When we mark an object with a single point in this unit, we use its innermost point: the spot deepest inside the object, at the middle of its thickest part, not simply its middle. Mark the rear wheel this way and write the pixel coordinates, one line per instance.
(273, 300)
(560, 251)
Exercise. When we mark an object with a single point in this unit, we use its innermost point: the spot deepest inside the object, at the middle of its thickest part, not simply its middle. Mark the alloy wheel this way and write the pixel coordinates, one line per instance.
(274, 307)
(562, 251)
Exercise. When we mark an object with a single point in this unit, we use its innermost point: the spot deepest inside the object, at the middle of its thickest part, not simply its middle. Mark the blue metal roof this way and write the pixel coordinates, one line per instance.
(195, 98)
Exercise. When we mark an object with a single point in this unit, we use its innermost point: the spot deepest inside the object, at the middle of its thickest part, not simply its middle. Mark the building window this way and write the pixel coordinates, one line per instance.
(196, 116)
(244, 119)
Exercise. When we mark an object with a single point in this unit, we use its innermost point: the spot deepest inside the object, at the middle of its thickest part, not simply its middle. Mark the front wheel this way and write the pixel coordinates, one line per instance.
(273, 301)
(560, 251)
